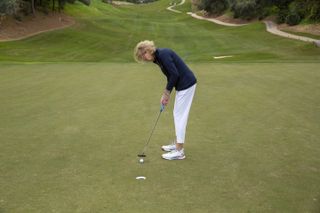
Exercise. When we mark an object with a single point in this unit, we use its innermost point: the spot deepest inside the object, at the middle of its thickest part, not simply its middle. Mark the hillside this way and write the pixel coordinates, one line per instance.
(108, 33)
(12, 29)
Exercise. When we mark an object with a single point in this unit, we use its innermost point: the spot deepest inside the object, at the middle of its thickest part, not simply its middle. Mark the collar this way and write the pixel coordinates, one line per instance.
(155, 54)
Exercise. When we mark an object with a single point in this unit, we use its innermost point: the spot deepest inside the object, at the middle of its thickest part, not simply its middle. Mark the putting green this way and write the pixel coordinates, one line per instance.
(70, 134)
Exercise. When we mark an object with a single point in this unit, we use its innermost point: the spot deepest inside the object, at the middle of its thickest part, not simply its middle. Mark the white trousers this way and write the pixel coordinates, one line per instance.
(182, 105)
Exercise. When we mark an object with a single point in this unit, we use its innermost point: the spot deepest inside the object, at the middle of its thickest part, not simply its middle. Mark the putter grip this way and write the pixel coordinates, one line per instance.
(161, 107)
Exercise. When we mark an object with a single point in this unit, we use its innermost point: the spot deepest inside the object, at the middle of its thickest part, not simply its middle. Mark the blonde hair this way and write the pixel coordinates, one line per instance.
(141, 48)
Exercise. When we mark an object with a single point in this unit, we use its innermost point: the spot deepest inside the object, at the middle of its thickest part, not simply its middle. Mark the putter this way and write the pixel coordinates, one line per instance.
(143, 155)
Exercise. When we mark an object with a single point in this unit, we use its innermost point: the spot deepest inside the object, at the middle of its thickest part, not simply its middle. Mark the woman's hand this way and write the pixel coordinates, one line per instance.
(165, 98)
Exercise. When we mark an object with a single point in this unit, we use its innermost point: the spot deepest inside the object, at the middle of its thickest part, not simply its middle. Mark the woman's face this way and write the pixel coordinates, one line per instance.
(147, 56)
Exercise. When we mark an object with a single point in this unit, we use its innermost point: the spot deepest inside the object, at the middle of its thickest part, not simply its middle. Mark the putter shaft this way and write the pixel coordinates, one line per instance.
(146, 145)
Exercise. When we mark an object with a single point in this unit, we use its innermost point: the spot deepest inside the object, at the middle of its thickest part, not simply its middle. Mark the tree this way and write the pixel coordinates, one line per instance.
(9, 7)
(33, 7)
(313, 10)
(245, 9)
(282, 4)
(216, 7)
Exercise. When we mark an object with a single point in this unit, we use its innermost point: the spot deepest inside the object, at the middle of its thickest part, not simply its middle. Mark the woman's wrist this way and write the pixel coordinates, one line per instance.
(166, 92)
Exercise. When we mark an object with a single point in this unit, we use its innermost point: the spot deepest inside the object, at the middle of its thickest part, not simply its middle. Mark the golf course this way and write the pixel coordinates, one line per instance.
(76, 109)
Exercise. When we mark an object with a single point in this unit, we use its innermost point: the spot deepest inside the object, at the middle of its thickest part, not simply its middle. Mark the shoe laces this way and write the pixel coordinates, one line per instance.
(179, 151)
(173, 151)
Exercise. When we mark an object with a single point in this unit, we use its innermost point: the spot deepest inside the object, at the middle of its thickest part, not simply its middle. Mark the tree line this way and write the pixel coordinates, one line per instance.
(20, 8)
(291, 12)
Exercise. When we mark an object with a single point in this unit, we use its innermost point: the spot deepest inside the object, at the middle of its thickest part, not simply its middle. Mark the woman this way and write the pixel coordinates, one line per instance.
(180, 77)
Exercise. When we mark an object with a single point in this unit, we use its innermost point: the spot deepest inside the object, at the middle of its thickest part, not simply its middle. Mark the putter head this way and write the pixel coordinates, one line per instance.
(142, 155)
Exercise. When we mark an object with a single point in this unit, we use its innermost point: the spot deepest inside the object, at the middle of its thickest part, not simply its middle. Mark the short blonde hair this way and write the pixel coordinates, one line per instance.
(141, 48)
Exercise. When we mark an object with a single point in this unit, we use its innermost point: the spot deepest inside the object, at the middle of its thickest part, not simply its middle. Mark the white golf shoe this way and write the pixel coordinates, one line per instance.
(169, 148)
(174, 155)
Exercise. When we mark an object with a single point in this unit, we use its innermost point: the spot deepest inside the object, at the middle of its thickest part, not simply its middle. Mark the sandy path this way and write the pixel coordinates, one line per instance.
(215, 20)
(172, 6)
(122, 3)
(270, 26)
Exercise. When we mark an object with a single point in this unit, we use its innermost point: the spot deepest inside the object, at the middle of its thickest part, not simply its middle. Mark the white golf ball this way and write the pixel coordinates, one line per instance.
(141, 160)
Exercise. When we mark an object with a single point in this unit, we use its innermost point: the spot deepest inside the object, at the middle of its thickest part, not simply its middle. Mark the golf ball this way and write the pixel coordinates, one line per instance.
(141, 160)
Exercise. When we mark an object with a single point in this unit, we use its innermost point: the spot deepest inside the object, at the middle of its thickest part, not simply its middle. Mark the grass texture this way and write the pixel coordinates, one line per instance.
(106, 33)
(75, 112)
(70, 134)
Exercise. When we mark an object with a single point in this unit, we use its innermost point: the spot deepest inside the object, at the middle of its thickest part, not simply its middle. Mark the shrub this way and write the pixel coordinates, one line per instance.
(86, 2)
(314, 13)
(215, 7)
(293, 19)
(298, 7)
(282, 15)
(245, 9)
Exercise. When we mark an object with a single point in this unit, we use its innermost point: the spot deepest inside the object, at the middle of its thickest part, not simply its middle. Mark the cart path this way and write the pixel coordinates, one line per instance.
(172, 6)
(271, 27)
(215, 20)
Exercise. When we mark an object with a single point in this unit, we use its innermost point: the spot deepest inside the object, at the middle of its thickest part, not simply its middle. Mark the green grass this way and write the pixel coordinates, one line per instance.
(184, 8)
(304, 34)
(75, 112)
(70, 133)
(107, 33)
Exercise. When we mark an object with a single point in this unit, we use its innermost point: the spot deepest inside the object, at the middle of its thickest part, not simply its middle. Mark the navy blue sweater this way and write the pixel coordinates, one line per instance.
(177, 72)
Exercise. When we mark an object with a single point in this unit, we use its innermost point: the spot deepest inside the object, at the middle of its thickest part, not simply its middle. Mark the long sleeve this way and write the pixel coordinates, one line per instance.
(172, 73)
(179, 76)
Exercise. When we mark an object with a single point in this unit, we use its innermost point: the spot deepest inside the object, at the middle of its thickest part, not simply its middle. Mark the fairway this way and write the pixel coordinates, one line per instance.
(76, 110)
(106, 33)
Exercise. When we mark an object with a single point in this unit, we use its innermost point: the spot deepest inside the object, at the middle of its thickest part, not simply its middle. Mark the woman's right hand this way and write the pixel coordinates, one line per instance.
(165, 98)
